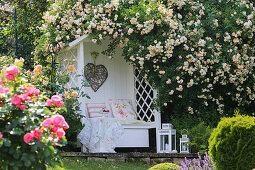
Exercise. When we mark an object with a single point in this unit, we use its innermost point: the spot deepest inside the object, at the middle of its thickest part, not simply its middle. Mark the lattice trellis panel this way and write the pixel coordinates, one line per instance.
(144, 98)
(67, 58)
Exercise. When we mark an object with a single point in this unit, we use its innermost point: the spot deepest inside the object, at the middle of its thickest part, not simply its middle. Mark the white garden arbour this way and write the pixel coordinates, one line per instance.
(122, 83)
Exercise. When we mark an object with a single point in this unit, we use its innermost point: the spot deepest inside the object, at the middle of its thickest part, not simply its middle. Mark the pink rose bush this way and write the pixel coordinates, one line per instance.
(51, 129)
(11, 72)
(19, 100)
(55, 100)
(27, 122)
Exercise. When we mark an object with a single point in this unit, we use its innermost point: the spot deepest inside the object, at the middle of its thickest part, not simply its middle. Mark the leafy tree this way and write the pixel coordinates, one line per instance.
(29, 18)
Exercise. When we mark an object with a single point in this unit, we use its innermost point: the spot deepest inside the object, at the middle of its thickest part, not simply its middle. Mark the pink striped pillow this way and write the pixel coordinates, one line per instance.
(95, 109)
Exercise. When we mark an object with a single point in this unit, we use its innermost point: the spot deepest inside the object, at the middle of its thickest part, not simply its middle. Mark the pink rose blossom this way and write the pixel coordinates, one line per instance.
(22, 107)
(56, 99)
(61, 103)
(37, 133)
(1, 135)
(24, 97)
(56, 115)
(31, 91)
(36, 92)
(47, 122)
(16, 100)
(58, 120)
(60, 132)
(54, 129)
(9, 76)
(12, 70)
(48, 102)
(28, 137)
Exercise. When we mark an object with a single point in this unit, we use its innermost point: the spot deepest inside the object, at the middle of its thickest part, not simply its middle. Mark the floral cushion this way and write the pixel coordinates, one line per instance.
(122, 109)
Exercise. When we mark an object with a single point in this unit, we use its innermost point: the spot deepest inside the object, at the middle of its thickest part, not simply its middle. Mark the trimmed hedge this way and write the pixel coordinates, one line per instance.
(165, 166)
(232, 143)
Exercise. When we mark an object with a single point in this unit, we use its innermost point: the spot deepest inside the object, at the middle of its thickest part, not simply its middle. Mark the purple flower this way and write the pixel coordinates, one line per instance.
(198, 164)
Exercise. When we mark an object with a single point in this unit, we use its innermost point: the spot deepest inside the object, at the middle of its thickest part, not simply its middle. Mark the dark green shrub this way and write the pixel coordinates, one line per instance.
(198, 131)
(232, 143)
(165, 166)
(199, 136)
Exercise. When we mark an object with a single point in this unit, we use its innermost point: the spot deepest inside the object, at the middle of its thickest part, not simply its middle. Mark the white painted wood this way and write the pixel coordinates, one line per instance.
(144, 95)
(147, 125)
(80, 71)
(134, 138)
(119, 84)
(75, 42)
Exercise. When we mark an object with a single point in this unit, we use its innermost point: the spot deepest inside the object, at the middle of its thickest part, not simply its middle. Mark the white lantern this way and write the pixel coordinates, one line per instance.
(167, 126)
(164, 141)
(184, 146)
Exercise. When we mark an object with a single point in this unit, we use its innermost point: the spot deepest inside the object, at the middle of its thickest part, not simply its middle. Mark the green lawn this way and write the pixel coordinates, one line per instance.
(82, 164)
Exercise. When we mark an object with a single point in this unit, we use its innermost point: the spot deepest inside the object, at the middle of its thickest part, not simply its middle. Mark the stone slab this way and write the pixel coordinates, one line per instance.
(95, 159)
(144, 160)
(116, 159)
(132, 155)
(161, 160)
(146, 157)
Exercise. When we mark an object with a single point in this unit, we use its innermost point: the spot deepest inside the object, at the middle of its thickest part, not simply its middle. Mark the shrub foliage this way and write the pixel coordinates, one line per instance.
(199, 136)
(232, 143)
(165, 166)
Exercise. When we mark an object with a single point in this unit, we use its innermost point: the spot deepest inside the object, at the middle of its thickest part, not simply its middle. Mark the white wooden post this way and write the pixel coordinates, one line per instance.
(158, 123)
(80, 71)
(80, 58)
(156, 113)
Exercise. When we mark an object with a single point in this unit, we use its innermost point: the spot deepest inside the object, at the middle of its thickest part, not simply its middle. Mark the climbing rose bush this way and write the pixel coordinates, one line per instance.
(30, 128)
(198, 54)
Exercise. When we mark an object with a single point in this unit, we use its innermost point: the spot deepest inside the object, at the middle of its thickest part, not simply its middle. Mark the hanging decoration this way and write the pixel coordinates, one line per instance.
(95, 74)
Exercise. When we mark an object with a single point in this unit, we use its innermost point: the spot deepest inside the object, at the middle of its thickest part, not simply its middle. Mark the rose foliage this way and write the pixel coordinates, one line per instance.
(30, 126)
(198, 54)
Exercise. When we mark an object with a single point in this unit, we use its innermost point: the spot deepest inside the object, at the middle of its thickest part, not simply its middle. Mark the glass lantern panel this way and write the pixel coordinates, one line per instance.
(173, 142)
(184, 146)
(164, 142)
